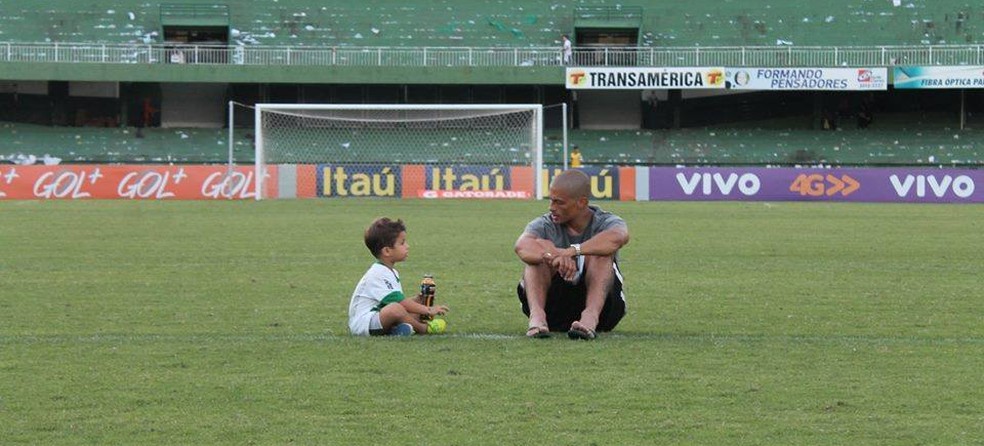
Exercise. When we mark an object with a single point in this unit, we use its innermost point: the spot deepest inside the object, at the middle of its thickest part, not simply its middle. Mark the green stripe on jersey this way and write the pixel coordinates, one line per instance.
(390, 298)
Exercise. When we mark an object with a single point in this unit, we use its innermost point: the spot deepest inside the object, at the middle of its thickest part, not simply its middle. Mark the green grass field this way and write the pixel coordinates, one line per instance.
(752, 324)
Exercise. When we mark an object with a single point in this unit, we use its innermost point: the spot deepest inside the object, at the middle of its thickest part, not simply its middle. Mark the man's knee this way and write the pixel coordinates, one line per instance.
(598, 268)
(539, 274)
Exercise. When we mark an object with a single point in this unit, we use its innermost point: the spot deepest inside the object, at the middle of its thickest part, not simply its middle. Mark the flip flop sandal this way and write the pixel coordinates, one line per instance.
(579, 331)
(538, 332)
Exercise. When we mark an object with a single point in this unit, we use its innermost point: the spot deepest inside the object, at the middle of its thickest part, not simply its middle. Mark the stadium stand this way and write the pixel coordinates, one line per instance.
(509, 23)
(904, 137)
(910, 143)
(87, 144)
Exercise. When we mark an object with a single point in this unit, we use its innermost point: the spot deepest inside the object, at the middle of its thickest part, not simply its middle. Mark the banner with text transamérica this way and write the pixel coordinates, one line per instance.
(644, 78)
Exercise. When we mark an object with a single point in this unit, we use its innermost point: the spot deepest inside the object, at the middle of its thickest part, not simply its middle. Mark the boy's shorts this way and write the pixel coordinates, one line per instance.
(368, 325)
(375, 326)
(566, 301)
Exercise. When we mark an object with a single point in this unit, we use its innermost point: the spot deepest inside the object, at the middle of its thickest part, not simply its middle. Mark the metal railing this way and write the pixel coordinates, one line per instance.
(779, 56)
(608, 13)
(194, 10)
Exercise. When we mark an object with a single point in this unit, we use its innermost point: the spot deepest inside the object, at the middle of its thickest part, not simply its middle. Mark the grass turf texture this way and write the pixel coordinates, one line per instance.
(225, 323)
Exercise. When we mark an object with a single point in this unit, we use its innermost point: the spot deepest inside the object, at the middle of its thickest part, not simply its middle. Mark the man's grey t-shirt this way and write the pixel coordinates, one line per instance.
(543, 227)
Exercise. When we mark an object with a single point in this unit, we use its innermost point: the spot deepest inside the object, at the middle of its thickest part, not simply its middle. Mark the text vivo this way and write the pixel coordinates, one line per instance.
(748, 184)
(962, 186)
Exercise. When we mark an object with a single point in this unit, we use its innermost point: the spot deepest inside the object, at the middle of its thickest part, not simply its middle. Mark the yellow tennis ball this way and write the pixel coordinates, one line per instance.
(436, 326)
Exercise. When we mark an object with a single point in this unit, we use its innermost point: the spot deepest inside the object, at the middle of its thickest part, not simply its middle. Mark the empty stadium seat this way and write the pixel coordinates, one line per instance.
(512, 23)
(933, 141)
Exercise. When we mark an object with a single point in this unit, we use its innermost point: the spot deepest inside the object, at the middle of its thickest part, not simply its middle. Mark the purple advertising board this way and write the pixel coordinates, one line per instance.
(903, 185)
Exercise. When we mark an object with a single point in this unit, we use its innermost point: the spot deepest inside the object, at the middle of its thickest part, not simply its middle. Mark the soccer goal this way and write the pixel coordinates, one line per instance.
(407, 151)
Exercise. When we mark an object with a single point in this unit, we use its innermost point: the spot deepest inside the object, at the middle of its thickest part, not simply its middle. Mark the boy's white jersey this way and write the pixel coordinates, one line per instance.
(378, 287)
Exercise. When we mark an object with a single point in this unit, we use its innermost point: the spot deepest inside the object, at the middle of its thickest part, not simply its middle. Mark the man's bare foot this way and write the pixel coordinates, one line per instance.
(538, 332)
(581, 331)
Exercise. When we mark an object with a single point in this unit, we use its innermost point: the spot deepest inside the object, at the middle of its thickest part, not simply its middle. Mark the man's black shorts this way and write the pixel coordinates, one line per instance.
(565, 302)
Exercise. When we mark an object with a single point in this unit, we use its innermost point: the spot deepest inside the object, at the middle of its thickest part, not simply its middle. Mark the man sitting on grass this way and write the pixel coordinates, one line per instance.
(571, 280)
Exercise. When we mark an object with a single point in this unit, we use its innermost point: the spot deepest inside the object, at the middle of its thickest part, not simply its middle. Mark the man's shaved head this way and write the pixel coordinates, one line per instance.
(573, 183)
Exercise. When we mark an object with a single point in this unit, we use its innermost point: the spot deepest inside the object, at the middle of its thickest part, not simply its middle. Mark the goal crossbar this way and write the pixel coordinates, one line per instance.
(437, 136)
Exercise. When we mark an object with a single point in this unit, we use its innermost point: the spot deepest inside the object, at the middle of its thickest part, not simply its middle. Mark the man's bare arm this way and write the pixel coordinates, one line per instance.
(533, 250)
(604, 243)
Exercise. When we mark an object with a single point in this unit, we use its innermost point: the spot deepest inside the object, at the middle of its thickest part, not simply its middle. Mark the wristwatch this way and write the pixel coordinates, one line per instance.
(577, 249)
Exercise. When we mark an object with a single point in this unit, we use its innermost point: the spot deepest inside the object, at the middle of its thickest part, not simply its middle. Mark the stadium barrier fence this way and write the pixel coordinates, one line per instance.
(740, 56)
(632, 183)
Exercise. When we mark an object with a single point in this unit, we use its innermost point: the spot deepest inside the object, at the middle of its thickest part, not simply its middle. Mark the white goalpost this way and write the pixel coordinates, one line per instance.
(398, 150)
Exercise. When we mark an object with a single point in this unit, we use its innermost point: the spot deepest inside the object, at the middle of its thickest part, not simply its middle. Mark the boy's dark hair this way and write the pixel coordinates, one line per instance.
(382, 233)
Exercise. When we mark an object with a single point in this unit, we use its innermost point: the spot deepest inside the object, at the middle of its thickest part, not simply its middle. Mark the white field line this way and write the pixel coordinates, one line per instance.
(124, 338)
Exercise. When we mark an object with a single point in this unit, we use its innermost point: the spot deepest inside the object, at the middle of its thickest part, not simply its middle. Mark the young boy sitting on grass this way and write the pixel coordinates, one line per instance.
(378, 305)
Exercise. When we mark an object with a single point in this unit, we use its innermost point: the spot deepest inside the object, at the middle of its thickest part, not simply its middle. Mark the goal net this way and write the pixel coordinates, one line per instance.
(407, 151)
